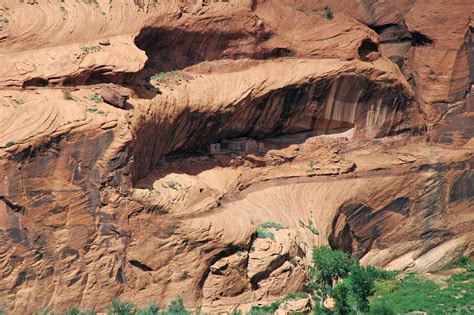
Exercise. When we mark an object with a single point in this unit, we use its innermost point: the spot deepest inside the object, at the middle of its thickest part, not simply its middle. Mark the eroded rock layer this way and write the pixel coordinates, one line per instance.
(364, 124)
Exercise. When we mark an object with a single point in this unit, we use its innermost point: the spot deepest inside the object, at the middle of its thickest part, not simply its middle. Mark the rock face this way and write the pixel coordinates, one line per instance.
(366, 121)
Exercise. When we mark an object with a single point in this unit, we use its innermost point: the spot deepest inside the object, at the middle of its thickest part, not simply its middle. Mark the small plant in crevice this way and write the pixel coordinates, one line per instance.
(327, 13)
(264, 233)
(96, 98)
(272, 225)
(172, 185)
(90, 2)
(309, 225)
(163, 77)
(91, 49)
(301, 9)
(19, 101)
(8, 144)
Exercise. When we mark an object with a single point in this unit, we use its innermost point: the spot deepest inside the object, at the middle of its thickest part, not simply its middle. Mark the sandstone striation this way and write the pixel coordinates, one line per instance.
(365, 122)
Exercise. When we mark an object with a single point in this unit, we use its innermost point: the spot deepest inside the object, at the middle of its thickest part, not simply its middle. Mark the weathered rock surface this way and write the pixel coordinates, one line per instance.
(366, 120)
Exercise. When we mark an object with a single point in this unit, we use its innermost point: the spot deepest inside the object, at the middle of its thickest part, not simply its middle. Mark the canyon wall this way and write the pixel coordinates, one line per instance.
(366, 119)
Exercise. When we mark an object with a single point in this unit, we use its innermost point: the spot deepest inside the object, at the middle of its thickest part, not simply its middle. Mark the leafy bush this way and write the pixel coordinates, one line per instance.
(462, 262)
(165, 76)
(296, 296)
(302, 10)
(343, 298)
(309, 226)
(380, 309)
(272, 225)
(96, 98)
(271, 309)
(172, 185)
(266, 309)
(118, 307)
(8, 144)
(328, 267)
(176, 307)
(152, 309)
(263, 233)
(91, 49)
(327, 13)
(76, 311)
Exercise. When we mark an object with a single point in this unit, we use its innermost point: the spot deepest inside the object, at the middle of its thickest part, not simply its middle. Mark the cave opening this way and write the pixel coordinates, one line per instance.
(178, 48)
(367, 50)
(420, 39)
(352, 231)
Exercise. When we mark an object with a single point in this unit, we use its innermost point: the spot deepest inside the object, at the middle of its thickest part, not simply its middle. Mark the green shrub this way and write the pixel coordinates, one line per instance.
(462, 262)
(386, 287)
(172, 185)
(76, 311)
(91, 49)
(380, 309)
(118, 307)
(302, 10)
(152, 309)
(271, 309)
(272, 225)
(165, 76)
(19, 101)
(96, 98)
(296, 296)
(327, 13)
(176, 307)
(343, 298)
(8, 144)
(266, 309)
(309, 226)
(263, 233)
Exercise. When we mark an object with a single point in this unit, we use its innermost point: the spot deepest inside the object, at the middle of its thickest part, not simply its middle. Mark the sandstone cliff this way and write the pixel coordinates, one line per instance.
(366, 121)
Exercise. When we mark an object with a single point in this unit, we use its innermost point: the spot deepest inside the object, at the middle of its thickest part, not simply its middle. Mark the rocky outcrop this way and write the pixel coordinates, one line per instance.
(98, 201)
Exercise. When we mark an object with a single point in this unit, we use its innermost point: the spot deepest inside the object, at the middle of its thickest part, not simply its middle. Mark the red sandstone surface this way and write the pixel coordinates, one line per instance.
(366, 120)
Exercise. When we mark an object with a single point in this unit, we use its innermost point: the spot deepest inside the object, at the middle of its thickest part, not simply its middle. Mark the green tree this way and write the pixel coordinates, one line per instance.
(176, 307)
(343, 298)
(118, 307)
(362, 285)
(329, 266)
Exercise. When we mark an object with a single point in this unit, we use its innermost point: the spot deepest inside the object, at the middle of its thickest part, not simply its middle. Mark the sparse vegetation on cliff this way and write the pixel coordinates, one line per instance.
(91, 49)
(163, 77)
(8, 144)
(263, 232)
(327, 13)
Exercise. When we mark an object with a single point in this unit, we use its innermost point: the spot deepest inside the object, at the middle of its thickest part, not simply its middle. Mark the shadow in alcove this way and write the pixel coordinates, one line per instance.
(196, 162)
(358, 226)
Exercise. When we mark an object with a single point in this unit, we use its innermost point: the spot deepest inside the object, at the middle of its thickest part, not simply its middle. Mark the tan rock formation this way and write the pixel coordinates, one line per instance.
(367, 134)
